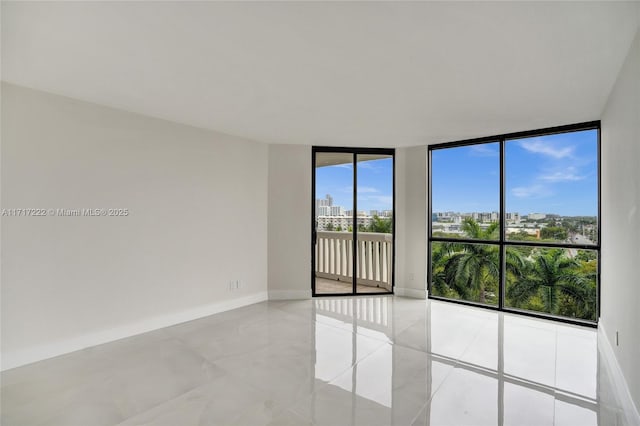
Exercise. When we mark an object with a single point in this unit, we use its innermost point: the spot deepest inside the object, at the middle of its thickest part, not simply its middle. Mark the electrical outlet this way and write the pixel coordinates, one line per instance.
(235, 285)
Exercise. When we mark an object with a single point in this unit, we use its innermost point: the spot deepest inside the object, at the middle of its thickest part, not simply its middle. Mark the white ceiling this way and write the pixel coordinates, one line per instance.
(354, 74)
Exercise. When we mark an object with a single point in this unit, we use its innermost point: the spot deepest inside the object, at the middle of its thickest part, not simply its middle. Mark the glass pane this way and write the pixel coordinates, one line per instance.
(555, 281)
(468, 272)
(375, 219)
(465, 192)
(334, 240)
(552, 188)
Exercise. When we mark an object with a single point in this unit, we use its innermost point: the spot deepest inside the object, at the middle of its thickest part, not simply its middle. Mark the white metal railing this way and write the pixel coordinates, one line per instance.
(334, 257)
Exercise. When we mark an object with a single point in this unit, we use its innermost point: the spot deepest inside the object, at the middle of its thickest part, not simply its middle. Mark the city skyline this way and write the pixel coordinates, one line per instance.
(326, 207)
(375, 184)
(521, 214)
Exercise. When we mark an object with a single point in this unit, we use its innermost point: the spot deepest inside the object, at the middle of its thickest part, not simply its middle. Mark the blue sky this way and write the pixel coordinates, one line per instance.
(544, 174)
(375, 184)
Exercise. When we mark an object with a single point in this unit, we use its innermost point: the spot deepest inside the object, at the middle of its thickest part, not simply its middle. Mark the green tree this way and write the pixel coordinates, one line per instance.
(380, 225)
(557, 280)
(579, 299)
(586, 255)
(473, 269)
(440, 255)
(553, 233)
(329, 227)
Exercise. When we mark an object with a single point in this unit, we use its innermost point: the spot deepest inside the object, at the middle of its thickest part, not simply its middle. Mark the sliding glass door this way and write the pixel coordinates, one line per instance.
(352, 202)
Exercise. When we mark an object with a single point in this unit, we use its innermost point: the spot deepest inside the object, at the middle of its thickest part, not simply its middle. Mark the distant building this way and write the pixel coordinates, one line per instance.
(325, 207)
(336, 211)
(341, 222)
(327, 201)
(323, 211)
(536, 216)
(513, 217)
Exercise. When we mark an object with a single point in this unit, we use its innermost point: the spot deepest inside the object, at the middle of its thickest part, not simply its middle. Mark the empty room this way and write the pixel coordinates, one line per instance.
(320, 213)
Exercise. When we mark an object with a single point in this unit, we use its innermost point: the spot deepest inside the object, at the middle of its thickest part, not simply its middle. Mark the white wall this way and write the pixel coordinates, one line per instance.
(620, 276)
(289, 222)
(198, 218)
(411, 221)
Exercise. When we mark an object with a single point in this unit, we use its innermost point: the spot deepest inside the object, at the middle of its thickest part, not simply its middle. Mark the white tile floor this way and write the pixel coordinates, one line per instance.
(365, 361)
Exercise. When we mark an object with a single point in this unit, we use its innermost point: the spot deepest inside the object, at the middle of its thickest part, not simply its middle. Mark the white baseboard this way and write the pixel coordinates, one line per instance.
(621, 389)
(41, 352)
(289, 294)
(410, 292)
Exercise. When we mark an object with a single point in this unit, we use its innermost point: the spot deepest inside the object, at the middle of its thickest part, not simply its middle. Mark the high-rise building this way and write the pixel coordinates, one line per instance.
(327, 201)
(513, 217)
(336, 211)
(323, 211)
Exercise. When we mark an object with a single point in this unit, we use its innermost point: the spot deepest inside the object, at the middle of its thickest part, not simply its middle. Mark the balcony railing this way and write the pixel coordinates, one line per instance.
(334, 257)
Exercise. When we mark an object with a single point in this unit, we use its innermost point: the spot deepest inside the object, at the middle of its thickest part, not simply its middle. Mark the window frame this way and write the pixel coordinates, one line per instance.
(503, 243)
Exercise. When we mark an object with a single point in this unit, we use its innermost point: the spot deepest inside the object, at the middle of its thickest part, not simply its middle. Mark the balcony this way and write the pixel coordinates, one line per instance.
(334, 264)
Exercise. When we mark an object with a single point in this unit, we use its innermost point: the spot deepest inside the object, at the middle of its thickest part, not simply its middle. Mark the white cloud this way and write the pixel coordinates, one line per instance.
(531, 191)
(361, 189)
(538, 146)
(366, 189)
(383, 200)
(484, 150)
(367, 165)
(568, 175)
(344, 166)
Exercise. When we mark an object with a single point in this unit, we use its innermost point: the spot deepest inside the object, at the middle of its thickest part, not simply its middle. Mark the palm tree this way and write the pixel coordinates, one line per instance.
(553, 275)
(472, 268)
(440, 254)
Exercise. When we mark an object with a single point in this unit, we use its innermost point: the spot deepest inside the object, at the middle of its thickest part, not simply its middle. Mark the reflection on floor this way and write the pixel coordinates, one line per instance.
(326, 286)
(341, 361)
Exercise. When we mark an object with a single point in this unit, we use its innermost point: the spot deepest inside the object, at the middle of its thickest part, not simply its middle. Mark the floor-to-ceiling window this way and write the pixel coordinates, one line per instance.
(352, 221)
(514, 222)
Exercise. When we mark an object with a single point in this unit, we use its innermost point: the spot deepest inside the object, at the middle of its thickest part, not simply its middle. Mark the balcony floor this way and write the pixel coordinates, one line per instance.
(327, 286)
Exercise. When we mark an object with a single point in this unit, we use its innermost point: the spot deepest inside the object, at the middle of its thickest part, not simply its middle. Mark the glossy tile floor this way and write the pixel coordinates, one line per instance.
(348, 361)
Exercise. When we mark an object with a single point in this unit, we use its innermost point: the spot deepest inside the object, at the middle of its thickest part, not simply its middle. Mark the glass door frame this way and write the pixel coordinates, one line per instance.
(355, 152)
